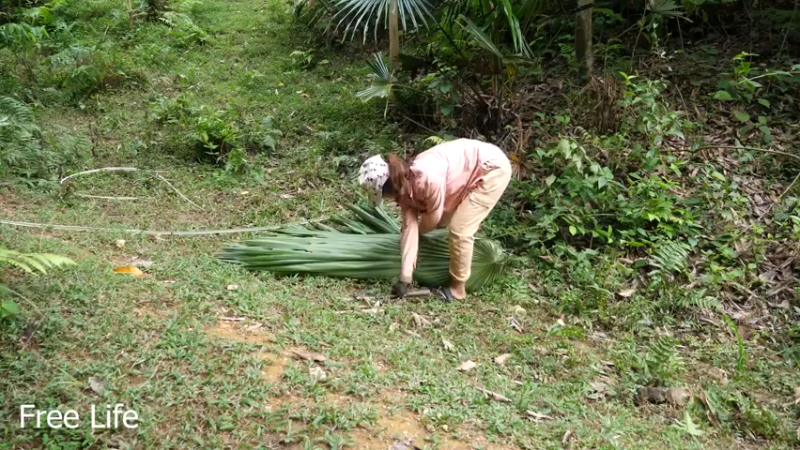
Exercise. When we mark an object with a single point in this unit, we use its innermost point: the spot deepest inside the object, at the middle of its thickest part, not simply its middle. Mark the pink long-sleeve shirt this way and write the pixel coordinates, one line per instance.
(444, 175)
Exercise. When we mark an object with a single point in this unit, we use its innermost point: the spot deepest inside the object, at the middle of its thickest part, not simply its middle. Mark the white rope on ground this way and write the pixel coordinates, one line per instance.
(124, 169)
(153, 232)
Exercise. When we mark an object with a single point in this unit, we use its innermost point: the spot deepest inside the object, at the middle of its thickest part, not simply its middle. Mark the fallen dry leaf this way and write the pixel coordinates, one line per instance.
(139, 262)
(600, 389)
(627, 293)
(797, 395)
(232, 287)
(370, 311)
(678, 396)
(233, 319)
(495, 396)
(467, 365)
(650, 394)
(712, 415)
(405, 444)
(308, 356)
(412, 333)
(718, 374)
(537, 416)
(567, 437)
(515, 325)
(317, 374)
(133, 270)
(97, 385)
(448, 345)
(120, 243)
(420, 321)
(502, 358)
(393, 326)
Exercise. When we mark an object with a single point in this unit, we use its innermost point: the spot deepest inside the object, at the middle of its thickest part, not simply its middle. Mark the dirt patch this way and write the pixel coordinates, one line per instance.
(274, 368)
(154, 310)
(405, 425)
(240, 332)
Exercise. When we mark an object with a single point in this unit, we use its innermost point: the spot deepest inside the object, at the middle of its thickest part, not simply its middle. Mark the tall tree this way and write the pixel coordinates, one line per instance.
(394, 36)
(583, 37)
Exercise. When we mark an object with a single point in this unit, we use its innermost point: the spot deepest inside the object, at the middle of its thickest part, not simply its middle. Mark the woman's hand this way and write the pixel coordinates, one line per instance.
(399, 290)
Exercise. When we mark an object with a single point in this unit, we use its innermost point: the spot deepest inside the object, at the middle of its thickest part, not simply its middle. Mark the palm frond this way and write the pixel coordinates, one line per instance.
(357, 14)
(382, 80)
(33, 262)
(367, 248)
(481, 38)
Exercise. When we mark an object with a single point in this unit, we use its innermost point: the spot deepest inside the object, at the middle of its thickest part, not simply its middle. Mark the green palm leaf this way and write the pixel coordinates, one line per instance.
(369, 249)
(357, 14)
(382, 80)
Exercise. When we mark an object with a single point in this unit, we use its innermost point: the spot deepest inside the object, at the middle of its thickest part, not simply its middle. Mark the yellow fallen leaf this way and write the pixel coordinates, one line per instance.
(133, 270)
(280, 85)
(466, 366)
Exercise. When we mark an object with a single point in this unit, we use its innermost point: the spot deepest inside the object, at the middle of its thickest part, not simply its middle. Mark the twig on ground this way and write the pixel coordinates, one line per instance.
(153, 232)
(126, 169)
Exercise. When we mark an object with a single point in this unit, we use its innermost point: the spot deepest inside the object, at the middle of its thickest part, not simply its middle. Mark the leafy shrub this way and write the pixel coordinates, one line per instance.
(214, 136)
(264, 136)
(183, 30)
(155, 8)
(648, 112)
(29, 153)
(176, 110)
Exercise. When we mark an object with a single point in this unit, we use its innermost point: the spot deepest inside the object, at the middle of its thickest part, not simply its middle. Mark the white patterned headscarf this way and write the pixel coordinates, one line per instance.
(372, 176)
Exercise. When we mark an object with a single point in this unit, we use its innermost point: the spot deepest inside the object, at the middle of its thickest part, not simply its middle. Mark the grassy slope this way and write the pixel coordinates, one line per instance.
(198, 380)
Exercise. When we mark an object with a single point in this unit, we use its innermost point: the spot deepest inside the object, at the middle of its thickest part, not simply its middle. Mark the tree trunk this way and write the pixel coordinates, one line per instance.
(394, 36)
(583, 38)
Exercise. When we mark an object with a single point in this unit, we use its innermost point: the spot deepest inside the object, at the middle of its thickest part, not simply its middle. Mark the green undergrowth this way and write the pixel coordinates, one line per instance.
(638, 260)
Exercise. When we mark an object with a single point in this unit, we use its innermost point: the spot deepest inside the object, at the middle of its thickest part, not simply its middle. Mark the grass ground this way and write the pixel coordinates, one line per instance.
(213, 357)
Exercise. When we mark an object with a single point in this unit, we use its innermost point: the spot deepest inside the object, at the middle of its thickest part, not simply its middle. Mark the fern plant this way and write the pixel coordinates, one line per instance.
(662, 360)
(670, 259)
(30, 154)
(31, 263)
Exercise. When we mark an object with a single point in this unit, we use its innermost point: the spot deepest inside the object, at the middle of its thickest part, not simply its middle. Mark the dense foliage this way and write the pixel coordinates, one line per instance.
(654, 143)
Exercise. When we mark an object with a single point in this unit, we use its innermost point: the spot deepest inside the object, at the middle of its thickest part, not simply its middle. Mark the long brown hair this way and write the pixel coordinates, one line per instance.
(402, 180)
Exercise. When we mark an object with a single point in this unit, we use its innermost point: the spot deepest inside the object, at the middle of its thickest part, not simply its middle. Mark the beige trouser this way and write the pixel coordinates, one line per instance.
(471, 213)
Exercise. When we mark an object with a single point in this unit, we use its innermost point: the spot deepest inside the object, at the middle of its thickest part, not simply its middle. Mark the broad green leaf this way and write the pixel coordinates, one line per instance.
(481, 38)
(8, 308)
(723, 96)
(564, 148)
(550, 180)
(572, 230)
(742, 116)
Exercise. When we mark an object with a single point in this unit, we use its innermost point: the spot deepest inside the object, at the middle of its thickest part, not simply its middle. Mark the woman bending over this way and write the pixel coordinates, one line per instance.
(453, 185)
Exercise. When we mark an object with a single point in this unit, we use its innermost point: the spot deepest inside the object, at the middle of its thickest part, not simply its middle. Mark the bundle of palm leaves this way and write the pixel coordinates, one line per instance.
(364, 247)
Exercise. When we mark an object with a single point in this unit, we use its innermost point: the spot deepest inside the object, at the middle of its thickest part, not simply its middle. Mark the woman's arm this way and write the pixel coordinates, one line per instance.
(409, 244)
(434, 204)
